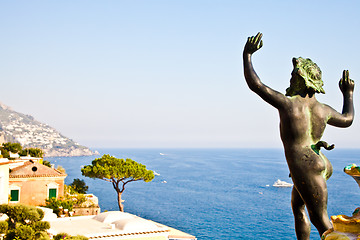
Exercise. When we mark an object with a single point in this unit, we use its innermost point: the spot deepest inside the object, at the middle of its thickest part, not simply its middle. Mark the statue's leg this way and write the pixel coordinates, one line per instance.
(302, 223)
(315, 197)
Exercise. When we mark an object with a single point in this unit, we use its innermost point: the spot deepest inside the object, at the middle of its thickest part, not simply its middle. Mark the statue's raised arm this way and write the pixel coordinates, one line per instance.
(271, 96)
(345, 119)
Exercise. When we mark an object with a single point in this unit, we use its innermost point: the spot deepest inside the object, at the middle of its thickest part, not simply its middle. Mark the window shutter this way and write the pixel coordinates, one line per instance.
(52, 193)
(14, 194)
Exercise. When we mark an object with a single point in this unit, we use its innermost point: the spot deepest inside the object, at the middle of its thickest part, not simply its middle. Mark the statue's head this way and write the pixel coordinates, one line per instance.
(305, 76)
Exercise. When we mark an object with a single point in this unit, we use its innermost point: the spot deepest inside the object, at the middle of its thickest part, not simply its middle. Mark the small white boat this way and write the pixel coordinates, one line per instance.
(162, 154)
(156, 174)
(280, 183)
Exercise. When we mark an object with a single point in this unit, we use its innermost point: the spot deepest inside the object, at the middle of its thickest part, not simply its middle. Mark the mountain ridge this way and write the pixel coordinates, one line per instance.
(30, 133)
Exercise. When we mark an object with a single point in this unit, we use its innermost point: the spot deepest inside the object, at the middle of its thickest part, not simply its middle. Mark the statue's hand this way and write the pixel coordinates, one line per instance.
(253, 44)
(345, 83)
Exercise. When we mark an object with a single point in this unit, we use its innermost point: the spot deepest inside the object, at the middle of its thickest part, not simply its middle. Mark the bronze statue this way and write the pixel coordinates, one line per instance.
(302, 122)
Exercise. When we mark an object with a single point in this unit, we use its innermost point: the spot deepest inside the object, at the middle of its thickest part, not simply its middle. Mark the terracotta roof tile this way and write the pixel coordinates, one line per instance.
(127, 234)
(34, 169)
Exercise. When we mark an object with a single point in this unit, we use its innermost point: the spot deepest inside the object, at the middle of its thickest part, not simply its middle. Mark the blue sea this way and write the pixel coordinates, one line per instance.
(217, 193)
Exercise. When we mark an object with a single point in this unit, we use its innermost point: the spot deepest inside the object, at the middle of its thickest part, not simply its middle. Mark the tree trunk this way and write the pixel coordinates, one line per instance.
(121, 207)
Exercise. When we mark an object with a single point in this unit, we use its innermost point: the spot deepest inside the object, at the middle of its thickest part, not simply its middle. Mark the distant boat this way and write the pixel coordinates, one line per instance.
(156, 174)
(280, 183)
(162, 154)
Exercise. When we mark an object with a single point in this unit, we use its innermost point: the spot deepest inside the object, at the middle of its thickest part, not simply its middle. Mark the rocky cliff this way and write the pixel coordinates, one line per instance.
(30, 133)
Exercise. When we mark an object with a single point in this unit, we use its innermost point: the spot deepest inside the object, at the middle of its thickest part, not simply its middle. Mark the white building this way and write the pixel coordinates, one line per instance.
(115, 225)
(4, 180)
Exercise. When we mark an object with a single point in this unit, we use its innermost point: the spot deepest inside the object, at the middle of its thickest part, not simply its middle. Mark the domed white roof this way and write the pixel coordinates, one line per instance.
(127, 222)
(111, 216)
(135, 225)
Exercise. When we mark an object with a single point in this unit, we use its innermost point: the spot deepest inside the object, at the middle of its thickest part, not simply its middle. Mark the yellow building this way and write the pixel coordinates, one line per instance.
(32, 183)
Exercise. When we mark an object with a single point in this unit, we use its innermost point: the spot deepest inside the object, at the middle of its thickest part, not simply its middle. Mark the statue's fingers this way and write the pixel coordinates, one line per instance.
(351, 82)
(341, 83)
(252, 39)
(261, 44)
(347, 79)
(248, 43)
(344, 74)
(258, 37)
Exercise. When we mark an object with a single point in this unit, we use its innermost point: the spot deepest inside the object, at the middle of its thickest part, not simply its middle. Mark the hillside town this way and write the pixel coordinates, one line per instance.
(24, 129)
(29, 183)
(40, 134)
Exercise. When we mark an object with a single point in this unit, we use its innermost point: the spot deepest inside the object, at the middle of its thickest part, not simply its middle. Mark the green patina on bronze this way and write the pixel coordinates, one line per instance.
(352, 169)
(310, 73)
(356, 211)
(316, 147)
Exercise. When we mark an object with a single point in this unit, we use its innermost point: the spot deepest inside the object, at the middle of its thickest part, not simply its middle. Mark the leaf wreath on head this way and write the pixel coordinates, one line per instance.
(310, 72)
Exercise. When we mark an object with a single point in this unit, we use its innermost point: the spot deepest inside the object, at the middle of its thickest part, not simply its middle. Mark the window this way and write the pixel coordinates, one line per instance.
(52, 192)
(14, 194)
(52, 189)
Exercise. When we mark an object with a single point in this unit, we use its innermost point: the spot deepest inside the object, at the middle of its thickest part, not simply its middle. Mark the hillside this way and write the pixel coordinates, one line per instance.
(24, 129)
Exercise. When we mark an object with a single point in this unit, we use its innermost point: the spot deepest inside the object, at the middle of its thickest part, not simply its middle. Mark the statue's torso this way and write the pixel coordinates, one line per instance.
(302, 124)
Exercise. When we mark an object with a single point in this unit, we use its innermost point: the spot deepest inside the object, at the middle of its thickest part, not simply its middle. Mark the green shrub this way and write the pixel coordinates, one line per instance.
(67, 204)
(71, 194)
(3, 227)
(41, 226)
(80, 199)
(55, 205)
(24, 232)
(47, 163)
(42, 236)
(79, 237)
(24, 223)
(61, 236)
(5, 152)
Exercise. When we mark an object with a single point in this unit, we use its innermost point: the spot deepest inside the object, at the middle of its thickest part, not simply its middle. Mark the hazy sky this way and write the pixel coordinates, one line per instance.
(167, 73)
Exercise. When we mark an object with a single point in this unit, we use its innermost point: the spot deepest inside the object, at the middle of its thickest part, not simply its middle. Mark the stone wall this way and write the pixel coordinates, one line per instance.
(86, 211)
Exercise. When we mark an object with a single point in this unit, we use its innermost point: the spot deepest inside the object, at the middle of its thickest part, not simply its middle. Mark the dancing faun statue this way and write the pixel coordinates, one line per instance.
(302, 122)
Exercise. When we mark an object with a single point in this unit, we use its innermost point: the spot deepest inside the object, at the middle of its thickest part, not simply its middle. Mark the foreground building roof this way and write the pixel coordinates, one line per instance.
(115, 225)
(34, 169)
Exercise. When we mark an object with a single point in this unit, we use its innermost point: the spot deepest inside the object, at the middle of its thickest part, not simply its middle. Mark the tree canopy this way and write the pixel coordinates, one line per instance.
(33, 152)
(117, 171)
(17, 148)
(24, 222)
(79, 186)
(12, 147)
